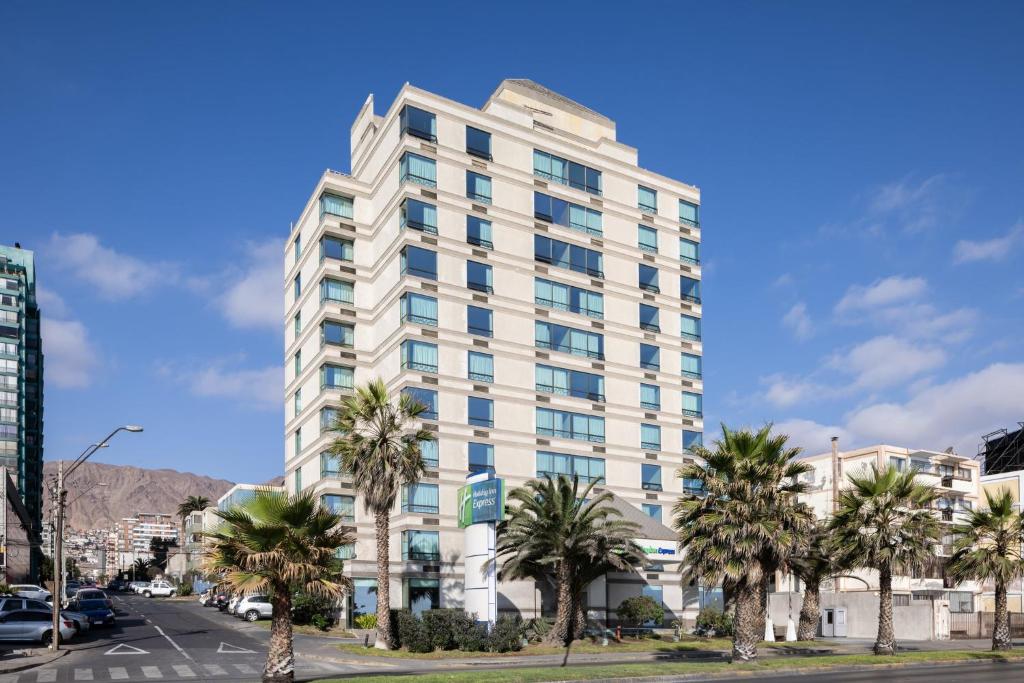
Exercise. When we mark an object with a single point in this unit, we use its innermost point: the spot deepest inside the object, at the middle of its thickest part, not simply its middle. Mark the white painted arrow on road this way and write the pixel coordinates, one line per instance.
(123, 649)
(227, 649)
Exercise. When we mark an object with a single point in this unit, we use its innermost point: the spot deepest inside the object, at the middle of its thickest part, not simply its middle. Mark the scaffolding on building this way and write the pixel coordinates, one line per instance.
(1002, 451)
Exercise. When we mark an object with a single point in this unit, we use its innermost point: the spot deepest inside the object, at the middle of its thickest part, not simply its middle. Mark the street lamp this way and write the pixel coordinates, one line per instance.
(58, 554)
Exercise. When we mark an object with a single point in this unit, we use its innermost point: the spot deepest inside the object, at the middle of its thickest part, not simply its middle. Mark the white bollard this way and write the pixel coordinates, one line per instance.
(790, 631)
(769, 630)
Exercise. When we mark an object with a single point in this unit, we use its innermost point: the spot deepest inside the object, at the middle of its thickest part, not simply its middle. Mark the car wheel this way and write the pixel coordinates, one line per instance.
(47, 638)
(78, 627)
(252, 615)
(148, 594)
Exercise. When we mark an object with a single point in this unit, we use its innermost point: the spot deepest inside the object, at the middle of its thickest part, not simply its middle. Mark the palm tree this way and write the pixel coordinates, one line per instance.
(379, 447)
(555, 530)
(812, 564)
(884, 522)
(988, 548)
(745, 523)
(140, 568)
(275, 544)
(187, 507)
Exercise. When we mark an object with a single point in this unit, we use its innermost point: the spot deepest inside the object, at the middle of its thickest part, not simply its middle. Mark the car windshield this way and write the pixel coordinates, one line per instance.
(92, 604)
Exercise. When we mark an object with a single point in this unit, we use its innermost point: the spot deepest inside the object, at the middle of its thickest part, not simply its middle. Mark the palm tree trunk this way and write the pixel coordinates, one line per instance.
(745, 634)
(1001, 631)
(885, 643)
(810, 610)
(385, 636)
(762, 598)
(280, 666)
(559, 635)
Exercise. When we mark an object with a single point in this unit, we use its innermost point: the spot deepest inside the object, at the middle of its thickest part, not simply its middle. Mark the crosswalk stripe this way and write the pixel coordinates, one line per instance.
(118, 673)
(83, 674)
(46, 676)
(152, 672)
(215, 670)
(9, 678)
(183, 671)
(245, 669)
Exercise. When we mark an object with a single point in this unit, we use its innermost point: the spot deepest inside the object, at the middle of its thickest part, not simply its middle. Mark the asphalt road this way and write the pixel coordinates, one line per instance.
(974, 672)
(162, 640)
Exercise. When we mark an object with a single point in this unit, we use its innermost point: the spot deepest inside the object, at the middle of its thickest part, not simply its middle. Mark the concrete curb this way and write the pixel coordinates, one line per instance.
(32, 662)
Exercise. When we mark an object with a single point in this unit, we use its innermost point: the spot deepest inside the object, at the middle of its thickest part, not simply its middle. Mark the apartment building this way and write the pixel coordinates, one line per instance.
(241, 493)
(195, 544)
(134, 534)
(516, 270)
(21, 379)
(996, 485)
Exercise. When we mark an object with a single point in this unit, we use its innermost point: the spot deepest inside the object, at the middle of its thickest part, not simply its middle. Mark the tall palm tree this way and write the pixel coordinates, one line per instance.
(556, 530)
(988, 548)
(140, 569)
(745, 523)
(276, 544)
(884, 522)
(379, 447)
(187, 507)
(812, 564)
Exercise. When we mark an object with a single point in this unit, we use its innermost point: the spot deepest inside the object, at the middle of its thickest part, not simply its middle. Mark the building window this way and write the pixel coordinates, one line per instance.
(337, 334)
(363, 599)
(336, 377)
(689, 213)
(297, 244)
(421, 595)
(689, 289)
(297, 324)
(418, 123)
(555, 465)
(648, 278)
(421, 546)
(650, 396)
(481, 366)
(298, 440)
(298, 363)
(419, 170)
(429, 453)
(689, 251)
(332, 247)
(345, 506)
(328, 416)
(478, 232)
(417, 355)
(419, 309)
(692, 440)
(296, 289)
(566, 425)
(296, 405)
(650, 437)
(647, 239)
(481, 458)
(418, 216)
(478, 143)
(481, 411)
(478, 187)
(479, 321)
(652, 511)
(692, 404)
(691, 366)
(425, 397)
(649, 357)
(298, 480)
(689, 327)
(419, 262)
(346, 552)
(336, 205)
(479, 277)
(649, 318)
(650, 477)
(422, 498)
(337, 291)
(569, 256)
(569, 340)
(575, 383)
(647, 199)
(897, 463)
(568, 298)
(567, 214)
(330, 466)
(559, 170)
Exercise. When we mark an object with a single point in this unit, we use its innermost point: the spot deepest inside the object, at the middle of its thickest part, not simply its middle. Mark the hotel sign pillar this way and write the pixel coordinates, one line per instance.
(481, 506)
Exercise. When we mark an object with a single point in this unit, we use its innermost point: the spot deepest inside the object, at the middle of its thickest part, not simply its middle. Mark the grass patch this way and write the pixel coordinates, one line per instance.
(591, 672)
(687, 644)
(308, 630)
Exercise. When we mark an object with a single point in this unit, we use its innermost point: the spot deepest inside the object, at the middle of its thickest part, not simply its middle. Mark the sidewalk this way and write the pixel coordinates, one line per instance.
(19, 660)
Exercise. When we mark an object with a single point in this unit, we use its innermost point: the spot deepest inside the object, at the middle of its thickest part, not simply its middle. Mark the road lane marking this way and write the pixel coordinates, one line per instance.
(214, 670)
(125, 649)
(245, 669)
(83, 674)
(46, 676)
(183, 671)
(176, 646)
(229, 649)
(118, 673)
(152, 672)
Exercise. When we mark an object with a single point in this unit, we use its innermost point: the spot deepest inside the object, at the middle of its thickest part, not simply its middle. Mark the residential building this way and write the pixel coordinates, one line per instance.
(241, 493)
(514, 269)
(21, 379)
(995, 485)
(195, 543)
(134, 534)
(21, 550)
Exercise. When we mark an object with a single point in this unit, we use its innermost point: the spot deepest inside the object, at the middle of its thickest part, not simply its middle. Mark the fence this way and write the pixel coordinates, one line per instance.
(964, 625)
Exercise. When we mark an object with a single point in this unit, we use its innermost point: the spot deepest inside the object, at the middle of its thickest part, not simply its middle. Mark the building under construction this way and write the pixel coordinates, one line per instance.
(1003, 451)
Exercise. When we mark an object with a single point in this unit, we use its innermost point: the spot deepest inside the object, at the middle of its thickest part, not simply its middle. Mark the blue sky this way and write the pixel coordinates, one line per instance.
(861, 169)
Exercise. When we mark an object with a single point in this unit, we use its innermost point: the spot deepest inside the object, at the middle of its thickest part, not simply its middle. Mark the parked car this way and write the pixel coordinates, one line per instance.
(254, 607)
(138, 586)
(27, 590)
(115, 585)
(94, 594)
(33, 625)
(221, 601)
(231, 603)
(158, 589)
(80, 621)
(94, 611)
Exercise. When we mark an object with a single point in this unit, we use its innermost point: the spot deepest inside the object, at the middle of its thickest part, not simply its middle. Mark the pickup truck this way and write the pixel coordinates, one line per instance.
(158, 588)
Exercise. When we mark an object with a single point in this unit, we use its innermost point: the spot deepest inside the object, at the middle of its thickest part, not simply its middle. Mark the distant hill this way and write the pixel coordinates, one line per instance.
(129, 490)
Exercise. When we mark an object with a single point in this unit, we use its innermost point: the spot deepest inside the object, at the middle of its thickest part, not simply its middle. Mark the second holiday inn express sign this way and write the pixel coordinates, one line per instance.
(482, 501)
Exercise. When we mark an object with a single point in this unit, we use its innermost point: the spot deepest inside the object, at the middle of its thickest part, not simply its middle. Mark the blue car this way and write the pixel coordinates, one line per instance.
(96, 610)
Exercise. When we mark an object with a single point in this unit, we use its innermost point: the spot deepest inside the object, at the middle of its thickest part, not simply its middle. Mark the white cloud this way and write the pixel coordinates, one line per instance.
(70, 356)
(257, 388)
(812, 437)
(256, 297)
(995, 249)
(783, 280)
(114, 275)
(885, 361)
(884, 292)
(910, 206)
(799, 321)
(785, 391)
(51, 303)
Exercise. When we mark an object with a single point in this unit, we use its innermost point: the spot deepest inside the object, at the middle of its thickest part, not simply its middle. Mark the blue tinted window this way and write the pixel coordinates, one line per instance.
(566, 425)
(478, 277)
(421, 546)
(336, 206)
(692, 440)
(575, 383)
(419, 123)
(689, 213)
(419, 309)
(647, 239)
(569, 340)
(649, 357)
(649, 318)
(648, 278)
(481, 458)
(570, 256)
(478, 187)
(650, 396)
(417, 355)
(561, 212)
(480, 321)
(568, 298)
(652, 511)
(333, 247)
(555, 465)
(419, 262)
(427, 397)
(417, 169)
(689, 251)
(481, 366)
(692, 404)
(647, 199)
(336, 377)
(418, 216)
(478, 142)
(689, 289)
(421, 498)
(559, 170)
(689, 327)
(650, 437)
(650, 477)
(337, 334)
(478, 232)
(481, 411)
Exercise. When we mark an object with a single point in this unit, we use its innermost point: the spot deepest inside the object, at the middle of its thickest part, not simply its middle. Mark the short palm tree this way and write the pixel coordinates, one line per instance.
(140, 569)
(745, 523)
(884, 522)
(187, 507)
(276, 544)
(812, 564)
(378, 445)
(555, 529)
(988, 548)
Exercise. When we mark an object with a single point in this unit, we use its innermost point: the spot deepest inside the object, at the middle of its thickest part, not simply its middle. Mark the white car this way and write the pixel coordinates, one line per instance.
(254, 607)
(30, 591)
(158, 588)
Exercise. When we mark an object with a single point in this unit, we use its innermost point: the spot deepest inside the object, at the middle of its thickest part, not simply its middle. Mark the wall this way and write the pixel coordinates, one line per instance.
(911, 623)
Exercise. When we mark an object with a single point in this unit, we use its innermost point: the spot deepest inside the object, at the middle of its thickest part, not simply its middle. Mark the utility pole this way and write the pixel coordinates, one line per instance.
(835, 474)
(58, 558)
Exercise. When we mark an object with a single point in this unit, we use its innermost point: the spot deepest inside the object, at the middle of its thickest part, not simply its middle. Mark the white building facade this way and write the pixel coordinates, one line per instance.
(516, 270)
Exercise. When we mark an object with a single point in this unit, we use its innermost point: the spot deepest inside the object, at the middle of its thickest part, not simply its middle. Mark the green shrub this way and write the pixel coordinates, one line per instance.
(5, 589)
(639, 610)
(413, 635)
(473, 639)
(507, 634)
(536, 629)
(320, 622)
(713, 622)
(306, 607)
(366, 621)
(445, 626)
(185, 589)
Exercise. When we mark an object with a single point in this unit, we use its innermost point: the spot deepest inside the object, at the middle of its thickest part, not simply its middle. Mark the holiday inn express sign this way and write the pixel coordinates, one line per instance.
(482, 501)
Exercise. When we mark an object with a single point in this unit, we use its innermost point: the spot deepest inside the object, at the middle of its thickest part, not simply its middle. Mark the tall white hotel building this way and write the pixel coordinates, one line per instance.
(516, 270)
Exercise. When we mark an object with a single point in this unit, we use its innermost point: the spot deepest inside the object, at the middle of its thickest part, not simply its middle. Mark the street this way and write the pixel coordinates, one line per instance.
(975, 672)
(167, 640)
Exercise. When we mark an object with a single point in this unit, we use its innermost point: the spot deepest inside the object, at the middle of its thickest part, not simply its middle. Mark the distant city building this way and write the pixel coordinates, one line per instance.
(241, 493)
(21, 379)
(196, 543)
(134, 534)
(1003, 450)
(995, 485)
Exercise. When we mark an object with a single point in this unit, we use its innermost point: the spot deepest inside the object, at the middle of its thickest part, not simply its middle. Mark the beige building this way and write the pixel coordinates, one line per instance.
(518, 271)
(995, 485)
(134, 534)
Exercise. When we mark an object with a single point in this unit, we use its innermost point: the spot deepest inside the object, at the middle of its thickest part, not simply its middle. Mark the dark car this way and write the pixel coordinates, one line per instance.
(115, 585)
(221, 601)
(97, 611)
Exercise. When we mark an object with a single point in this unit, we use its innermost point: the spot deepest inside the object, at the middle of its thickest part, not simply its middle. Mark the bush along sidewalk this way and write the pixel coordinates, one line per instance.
(453, 629)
